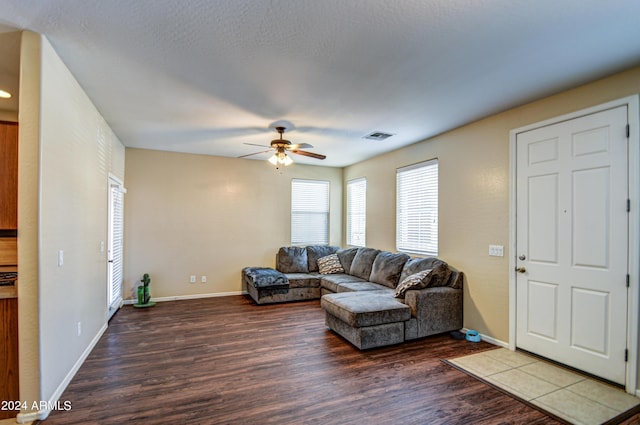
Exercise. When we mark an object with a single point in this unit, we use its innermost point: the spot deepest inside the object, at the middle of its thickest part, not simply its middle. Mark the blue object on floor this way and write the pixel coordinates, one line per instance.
(472, 336)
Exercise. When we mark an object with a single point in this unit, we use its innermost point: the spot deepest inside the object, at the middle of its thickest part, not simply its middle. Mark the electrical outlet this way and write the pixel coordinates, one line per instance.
(496, 250)
(79, 328)
(60, 258)
(192, 279)
(203, 279)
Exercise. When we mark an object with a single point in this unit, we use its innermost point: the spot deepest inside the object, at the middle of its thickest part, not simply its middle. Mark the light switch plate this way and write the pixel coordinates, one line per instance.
(496, 250)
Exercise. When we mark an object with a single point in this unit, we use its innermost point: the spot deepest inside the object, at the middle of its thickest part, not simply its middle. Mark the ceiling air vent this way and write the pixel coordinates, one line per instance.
(377, 135)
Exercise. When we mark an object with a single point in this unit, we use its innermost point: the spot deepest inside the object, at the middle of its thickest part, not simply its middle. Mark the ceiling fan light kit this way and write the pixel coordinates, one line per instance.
(280, 158)
(281, 147)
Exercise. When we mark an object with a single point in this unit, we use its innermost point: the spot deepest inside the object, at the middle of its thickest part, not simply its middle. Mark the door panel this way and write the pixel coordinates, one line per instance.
(543, 221)
(588, 331)
(591, 224)
(571, 240)
(542, 309)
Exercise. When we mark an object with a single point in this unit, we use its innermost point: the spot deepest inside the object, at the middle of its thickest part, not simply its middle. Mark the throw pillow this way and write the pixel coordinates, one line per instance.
(418, 280)
(330, 264)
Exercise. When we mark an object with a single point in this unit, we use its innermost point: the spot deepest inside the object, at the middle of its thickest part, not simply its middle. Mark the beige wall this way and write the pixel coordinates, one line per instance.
(205, 215)
(28, 187)
(474, 194)
(69, 152)
(8, 116)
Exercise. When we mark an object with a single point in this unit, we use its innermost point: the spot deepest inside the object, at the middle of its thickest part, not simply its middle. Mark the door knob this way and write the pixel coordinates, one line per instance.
(521, 269)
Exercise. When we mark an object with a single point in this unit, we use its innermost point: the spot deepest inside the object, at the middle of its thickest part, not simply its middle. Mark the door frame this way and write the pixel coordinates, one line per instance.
(111, 181)
(633, 300)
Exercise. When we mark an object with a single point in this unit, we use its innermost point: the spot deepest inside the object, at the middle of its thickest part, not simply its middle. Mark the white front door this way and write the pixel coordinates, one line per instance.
(572, 242)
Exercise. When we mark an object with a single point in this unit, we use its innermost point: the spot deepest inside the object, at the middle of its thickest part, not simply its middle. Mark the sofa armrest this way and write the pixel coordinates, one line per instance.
(436, 309)
(455, 279)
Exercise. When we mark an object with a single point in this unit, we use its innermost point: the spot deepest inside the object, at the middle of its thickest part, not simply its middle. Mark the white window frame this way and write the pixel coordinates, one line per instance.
(310, 212)
(357, 212)
(417, 208)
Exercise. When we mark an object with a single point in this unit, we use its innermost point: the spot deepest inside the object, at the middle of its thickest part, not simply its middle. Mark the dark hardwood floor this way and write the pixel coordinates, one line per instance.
(229, 361)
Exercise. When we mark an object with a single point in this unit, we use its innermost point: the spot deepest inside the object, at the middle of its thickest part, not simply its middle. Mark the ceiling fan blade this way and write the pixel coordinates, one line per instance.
(253, 144)
(299, 145)
(311, 154)
(255, 153)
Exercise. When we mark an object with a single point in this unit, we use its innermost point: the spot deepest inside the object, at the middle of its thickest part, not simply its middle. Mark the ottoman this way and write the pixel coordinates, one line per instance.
(366, 320)
(265, 285)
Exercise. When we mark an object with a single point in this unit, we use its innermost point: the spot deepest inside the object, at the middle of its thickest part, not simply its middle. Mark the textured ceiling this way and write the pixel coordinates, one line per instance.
(206, 76)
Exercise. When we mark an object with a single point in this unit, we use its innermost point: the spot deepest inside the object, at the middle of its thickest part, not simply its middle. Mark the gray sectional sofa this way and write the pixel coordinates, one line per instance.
(371, 298)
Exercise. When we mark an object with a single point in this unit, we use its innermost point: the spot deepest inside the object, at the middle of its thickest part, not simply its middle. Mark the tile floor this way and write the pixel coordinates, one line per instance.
(564, 393)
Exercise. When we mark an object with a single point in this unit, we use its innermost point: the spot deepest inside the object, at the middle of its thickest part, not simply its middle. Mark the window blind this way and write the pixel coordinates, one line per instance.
(309, 212)
(115, 245)
(356, 212)
(417, 208)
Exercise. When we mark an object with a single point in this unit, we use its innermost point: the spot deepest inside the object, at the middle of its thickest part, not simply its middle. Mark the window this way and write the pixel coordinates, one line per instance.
(417, 208)
(309, 212)
(356, 212)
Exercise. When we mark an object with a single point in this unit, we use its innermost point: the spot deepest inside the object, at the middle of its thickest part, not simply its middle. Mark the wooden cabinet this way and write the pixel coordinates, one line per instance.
(8, 175)
(8, 268)
(9, 379)
(9, 386)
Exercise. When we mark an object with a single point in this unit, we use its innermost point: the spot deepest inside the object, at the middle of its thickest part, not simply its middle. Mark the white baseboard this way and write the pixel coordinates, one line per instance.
(490, 340)
(190, 297)
(42, 414)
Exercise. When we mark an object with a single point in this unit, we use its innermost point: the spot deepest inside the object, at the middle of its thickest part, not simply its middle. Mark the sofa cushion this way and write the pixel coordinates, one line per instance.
(387, 268)
(303, 280)
(332, 281)
(365, 309)
(330, 264)
(292, 259)
(363, 286)
(315, 252)
(363, 262)
(346, 257)
(416, 265)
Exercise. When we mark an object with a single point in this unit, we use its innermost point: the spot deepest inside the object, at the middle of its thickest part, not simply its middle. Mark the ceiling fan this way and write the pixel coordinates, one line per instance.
(281, 147)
